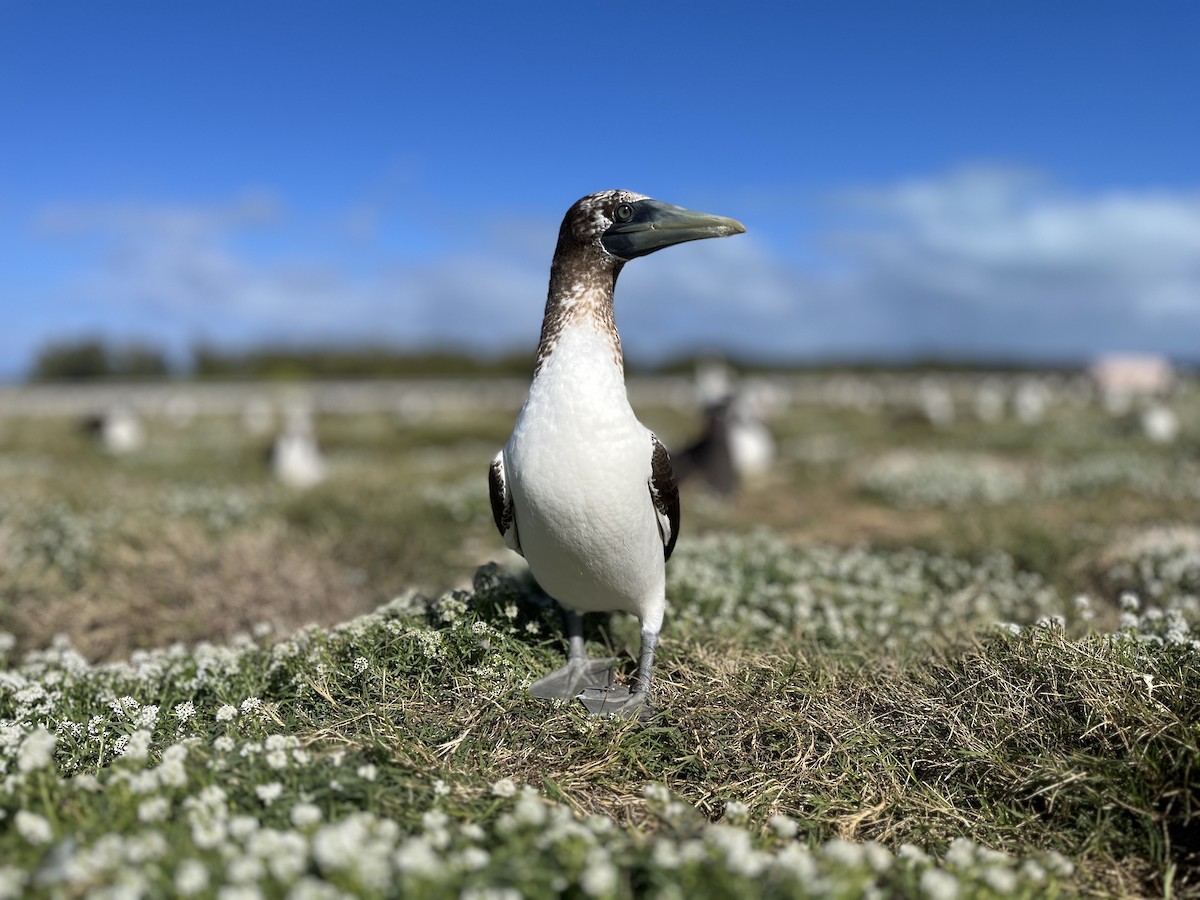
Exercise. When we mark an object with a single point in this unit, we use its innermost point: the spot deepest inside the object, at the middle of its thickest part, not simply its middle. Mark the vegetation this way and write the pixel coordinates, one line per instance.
(352, 362)
(91, 358)
(928, 680)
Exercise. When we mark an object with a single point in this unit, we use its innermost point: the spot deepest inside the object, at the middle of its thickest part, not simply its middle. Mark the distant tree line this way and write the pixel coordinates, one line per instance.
(352, 362)
(89, 359)
(94, 359)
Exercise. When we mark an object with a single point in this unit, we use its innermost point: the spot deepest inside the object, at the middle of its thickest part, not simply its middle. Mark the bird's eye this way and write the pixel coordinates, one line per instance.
(623, 213)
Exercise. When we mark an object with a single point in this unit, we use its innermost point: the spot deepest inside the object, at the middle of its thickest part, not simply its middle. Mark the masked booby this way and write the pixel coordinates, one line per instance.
(582, 489)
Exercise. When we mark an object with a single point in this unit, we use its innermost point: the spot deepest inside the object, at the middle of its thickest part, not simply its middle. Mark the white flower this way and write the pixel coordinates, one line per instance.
(305, 814)
(796, 860)
(1000, 879)
(208, 834)
(154, 809)
(33, 827)
(530, 809)
(147, 717)
(939, 885)
(138, 746)
(1130, 602)
(434, 820)
(878, 857)
(191, 877)
(736, 811)
(367, 772)
(184, 711)
(505, 787)
(735, 843)
(243, 871)
(1059, 864)
(241, 827)
(961, 853)
(665, 854)
(1033, 871)
(171, 772)
(268, 793)
(912, 853)
(223, 744)
(37, 750)
(251, 704)
(360, 665)
(86, 782)
(473, 859)
(440, 788)
(416, 857)
(277, 759)
(600, 877)
(226, 713)
(12, 879)
(656, 793)
(280, 742)
(783, 826)
(843, 852)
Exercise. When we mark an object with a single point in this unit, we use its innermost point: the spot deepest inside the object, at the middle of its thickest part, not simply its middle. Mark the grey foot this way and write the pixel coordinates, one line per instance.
(576, 676)
(618, 701)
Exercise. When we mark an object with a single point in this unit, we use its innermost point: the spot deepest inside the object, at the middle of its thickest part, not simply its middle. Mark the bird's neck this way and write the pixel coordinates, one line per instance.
(581, 293)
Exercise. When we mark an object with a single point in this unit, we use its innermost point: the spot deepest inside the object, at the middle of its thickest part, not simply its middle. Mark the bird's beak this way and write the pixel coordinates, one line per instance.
(655, 225)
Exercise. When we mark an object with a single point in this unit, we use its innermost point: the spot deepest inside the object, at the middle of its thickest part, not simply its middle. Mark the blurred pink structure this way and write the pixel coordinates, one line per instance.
(1123, 378)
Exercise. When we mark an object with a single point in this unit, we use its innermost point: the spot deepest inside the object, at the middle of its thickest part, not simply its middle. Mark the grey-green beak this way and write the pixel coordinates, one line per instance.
(655, 225)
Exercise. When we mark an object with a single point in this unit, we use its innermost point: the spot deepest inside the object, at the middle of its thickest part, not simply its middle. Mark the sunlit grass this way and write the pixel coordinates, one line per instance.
(860, 691)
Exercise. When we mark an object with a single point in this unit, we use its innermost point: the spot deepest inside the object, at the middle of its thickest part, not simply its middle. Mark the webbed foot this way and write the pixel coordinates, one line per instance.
(576, 676)
(618, 701)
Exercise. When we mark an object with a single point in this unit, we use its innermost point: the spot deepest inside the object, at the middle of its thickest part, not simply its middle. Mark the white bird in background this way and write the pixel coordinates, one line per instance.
(295, 457)
(119, 431)
(582, 489)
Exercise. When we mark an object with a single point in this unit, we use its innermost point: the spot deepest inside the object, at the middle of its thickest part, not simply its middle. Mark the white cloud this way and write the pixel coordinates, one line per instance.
(140, 221)
(984, 260)
(997, 225)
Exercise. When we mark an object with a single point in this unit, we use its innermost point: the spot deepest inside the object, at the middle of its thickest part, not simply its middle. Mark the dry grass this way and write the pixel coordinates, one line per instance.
(187, 586)
(1048, 740)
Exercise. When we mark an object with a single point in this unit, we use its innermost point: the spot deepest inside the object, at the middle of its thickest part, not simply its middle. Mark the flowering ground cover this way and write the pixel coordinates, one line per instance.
(928, 701)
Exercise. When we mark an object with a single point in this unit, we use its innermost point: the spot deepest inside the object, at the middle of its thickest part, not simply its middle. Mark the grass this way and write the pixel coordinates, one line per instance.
(862, 692)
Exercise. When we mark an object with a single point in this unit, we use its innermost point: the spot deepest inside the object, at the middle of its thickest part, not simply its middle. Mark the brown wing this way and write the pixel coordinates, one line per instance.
(665, 494)
(502, 505)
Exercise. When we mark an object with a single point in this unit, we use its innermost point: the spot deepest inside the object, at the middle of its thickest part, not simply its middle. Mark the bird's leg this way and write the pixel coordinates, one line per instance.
(645, 663)
(574, 624)
(580, 673)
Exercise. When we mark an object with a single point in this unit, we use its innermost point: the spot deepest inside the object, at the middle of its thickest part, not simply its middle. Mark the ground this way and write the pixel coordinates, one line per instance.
(939, 657)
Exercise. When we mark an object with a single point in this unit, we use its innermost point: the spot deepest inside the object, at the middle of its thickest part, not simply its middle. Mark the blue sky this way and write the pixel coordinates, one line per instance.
(1011, 179)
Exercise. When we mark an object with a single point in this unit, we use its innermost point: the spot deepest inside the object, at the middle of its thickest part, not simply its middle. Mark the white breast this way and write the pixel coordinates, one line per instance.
(578, 466)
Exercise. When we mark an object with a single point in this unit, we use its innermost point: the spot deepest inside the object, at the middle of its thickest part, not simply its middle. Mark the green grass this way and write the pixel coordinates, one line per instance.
(860, 692)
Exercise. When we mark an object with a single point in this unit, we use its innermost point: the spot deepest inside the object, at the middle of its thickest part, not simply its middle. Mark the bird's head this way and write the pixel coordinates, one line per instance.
(624, 225)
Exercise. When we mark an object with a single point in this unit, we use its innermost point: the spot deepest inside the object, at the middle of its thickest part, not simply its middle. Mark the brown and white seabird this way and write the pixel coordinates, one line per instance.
(582, 489)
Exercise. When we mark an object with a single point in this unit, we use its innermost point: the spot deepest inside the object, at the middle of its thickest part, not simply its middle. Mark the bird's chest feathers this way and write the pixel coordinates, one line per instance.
(576, 425)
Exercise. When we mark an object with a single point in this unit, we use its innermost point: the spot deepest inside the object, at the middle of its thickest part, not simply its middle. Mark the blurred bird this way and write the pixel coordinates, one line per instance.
(710, 456)
(118, 431)
(735, 445)
(1160, 423)
(295, 457)
(582, 489)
